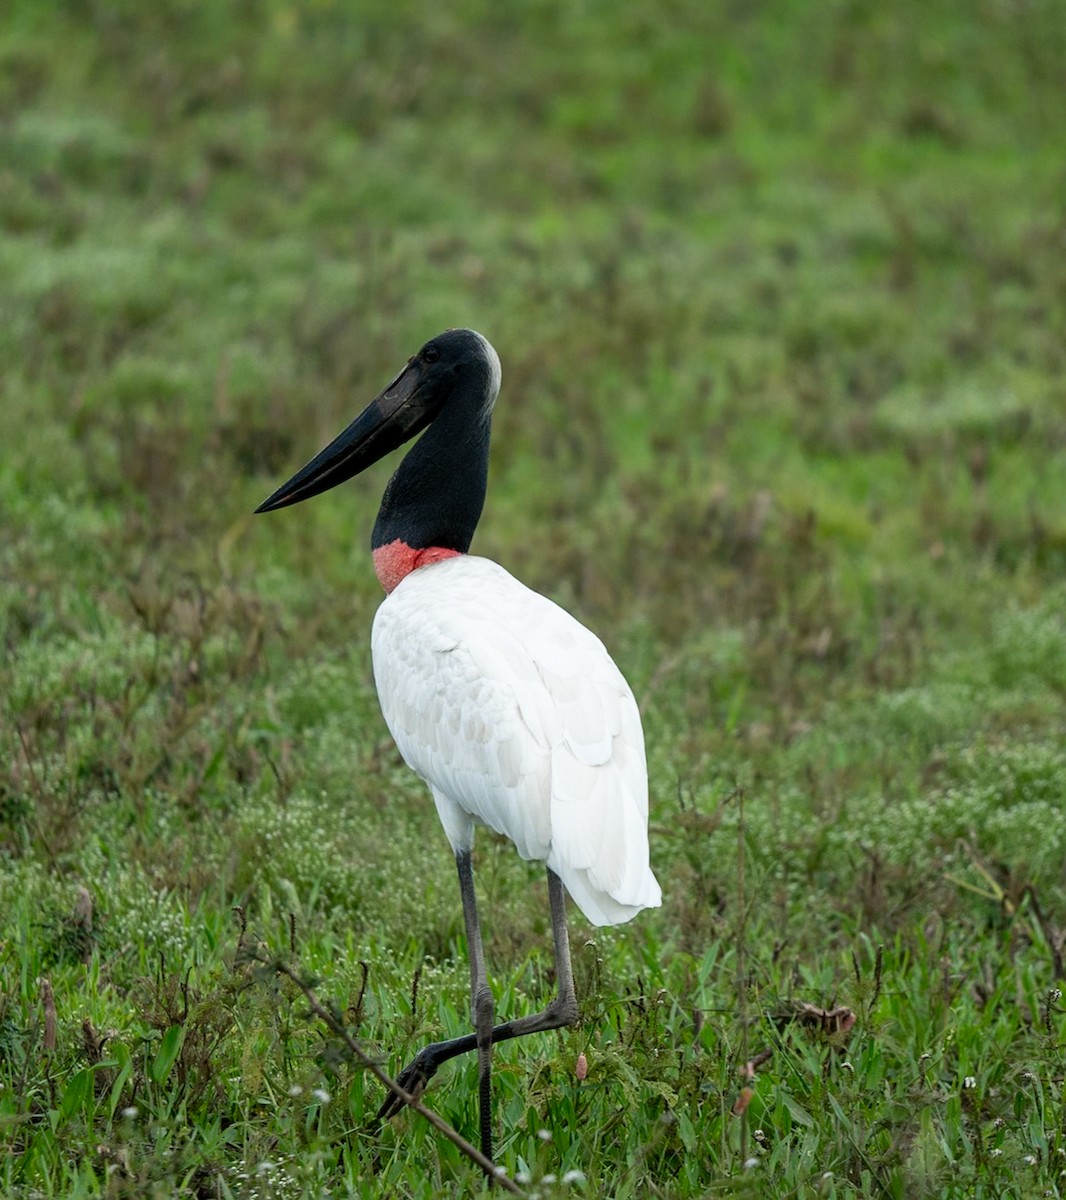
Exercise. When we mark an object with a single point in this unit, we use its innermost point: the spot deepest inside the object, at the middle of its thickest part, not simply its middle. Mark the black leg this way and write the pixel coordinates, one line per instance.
(481, 1006)
(562, 1010)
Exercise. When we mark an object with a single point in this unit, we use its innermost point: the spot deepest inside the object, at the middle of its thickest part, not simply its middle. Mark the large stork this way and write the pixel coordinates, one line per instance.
(509, 709)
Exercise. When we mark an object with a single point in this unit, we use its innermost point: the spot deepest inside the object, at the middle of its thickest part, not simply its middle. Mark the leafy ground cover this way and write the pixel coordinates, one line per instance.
(779, 292)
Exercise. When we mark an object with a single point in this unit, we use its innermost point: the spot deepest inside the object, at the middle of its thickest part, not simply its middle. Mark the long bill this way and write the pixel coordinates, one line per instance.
(402, 410)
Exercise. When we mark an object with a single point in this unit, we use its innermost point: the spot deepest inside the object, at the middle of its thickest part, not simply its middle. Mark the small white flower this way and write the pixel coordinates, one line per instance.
(265, 1167)
(846, 1066)
(995, 1153)
(970, 1081)
(1029, 1160)
(321, 1095)
(129, 1113)
(574, 1177)
(749, 1163)
(522, 1176)
(759, 1135)
(548, 1179)
(545, 1135)
(296, 1090)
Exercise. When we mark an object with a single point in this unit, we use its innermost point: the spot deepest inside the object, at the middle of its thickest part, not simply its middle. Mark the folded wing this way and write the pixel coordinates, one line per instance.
(516, 717)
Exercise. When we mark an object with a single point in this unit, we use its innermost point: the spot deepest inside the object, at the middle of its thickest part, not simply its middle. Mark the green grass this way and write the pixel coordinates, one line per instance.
(780, 296)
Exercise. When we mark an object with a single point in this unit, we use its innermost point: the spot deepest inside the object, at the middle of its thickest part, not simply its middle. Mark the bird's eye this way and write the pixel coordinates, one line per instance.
(431, 353)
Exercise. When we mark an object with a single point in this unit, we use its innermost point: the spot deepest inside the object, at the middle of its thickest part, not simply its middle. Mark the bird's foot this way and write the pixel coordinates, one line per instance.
(413, 1080)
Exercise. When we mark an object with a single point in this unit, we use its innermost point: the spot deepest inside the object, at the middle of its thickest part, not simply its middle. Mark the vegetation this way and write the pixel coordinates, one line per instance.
(780, 295)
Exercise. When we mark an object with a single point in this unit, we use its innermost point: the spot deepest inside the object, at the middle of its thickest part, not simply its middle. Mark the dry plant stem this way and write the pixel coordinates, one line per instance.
(742, 982)
(361, 1055)
(48, 1003)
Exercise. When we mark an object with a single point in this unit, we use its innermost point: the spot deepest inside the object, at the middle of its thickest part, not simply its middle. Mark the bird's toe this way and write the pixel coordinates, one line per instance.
(413, 1079)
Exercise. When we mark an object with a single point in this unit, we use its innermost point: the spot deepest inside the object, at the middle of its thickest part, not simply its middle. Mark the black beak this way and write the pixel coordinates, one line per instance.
(403, 409)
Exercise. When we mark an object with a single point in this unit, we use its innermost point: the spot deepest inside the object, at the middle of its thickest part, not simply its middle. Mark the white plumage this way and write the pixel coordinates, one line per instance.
(516, 717)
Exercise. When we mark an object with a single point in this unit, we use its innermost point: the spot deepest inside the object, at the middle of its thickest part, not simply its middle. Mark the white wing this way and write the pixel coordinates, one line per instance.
(515, 716)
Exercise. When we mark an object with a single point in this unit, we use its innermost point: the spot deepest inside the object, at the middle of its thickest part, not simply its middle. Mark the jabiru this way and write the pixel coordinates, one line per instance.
(509, 709)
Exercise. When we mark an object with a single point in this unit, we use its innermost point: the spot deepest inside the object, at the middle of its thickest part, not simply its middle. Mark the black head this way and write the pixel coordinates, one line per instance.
(457, 367)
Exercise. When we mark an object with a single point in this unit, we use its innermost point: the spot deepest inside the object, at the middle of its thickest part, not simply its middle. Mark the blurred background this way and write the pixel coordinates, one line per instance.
(779, 290)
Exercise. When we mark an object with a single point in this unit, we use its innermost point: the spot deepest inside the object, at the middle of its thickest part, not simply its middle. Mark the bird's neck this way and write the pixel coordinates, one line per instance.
(394, 561)
(432, 504)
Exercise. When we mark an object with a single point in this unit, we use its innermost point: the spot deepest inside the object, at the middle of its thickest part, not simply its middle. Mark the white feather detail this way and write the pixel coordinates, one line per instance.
(517, 718)
(492, 360)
